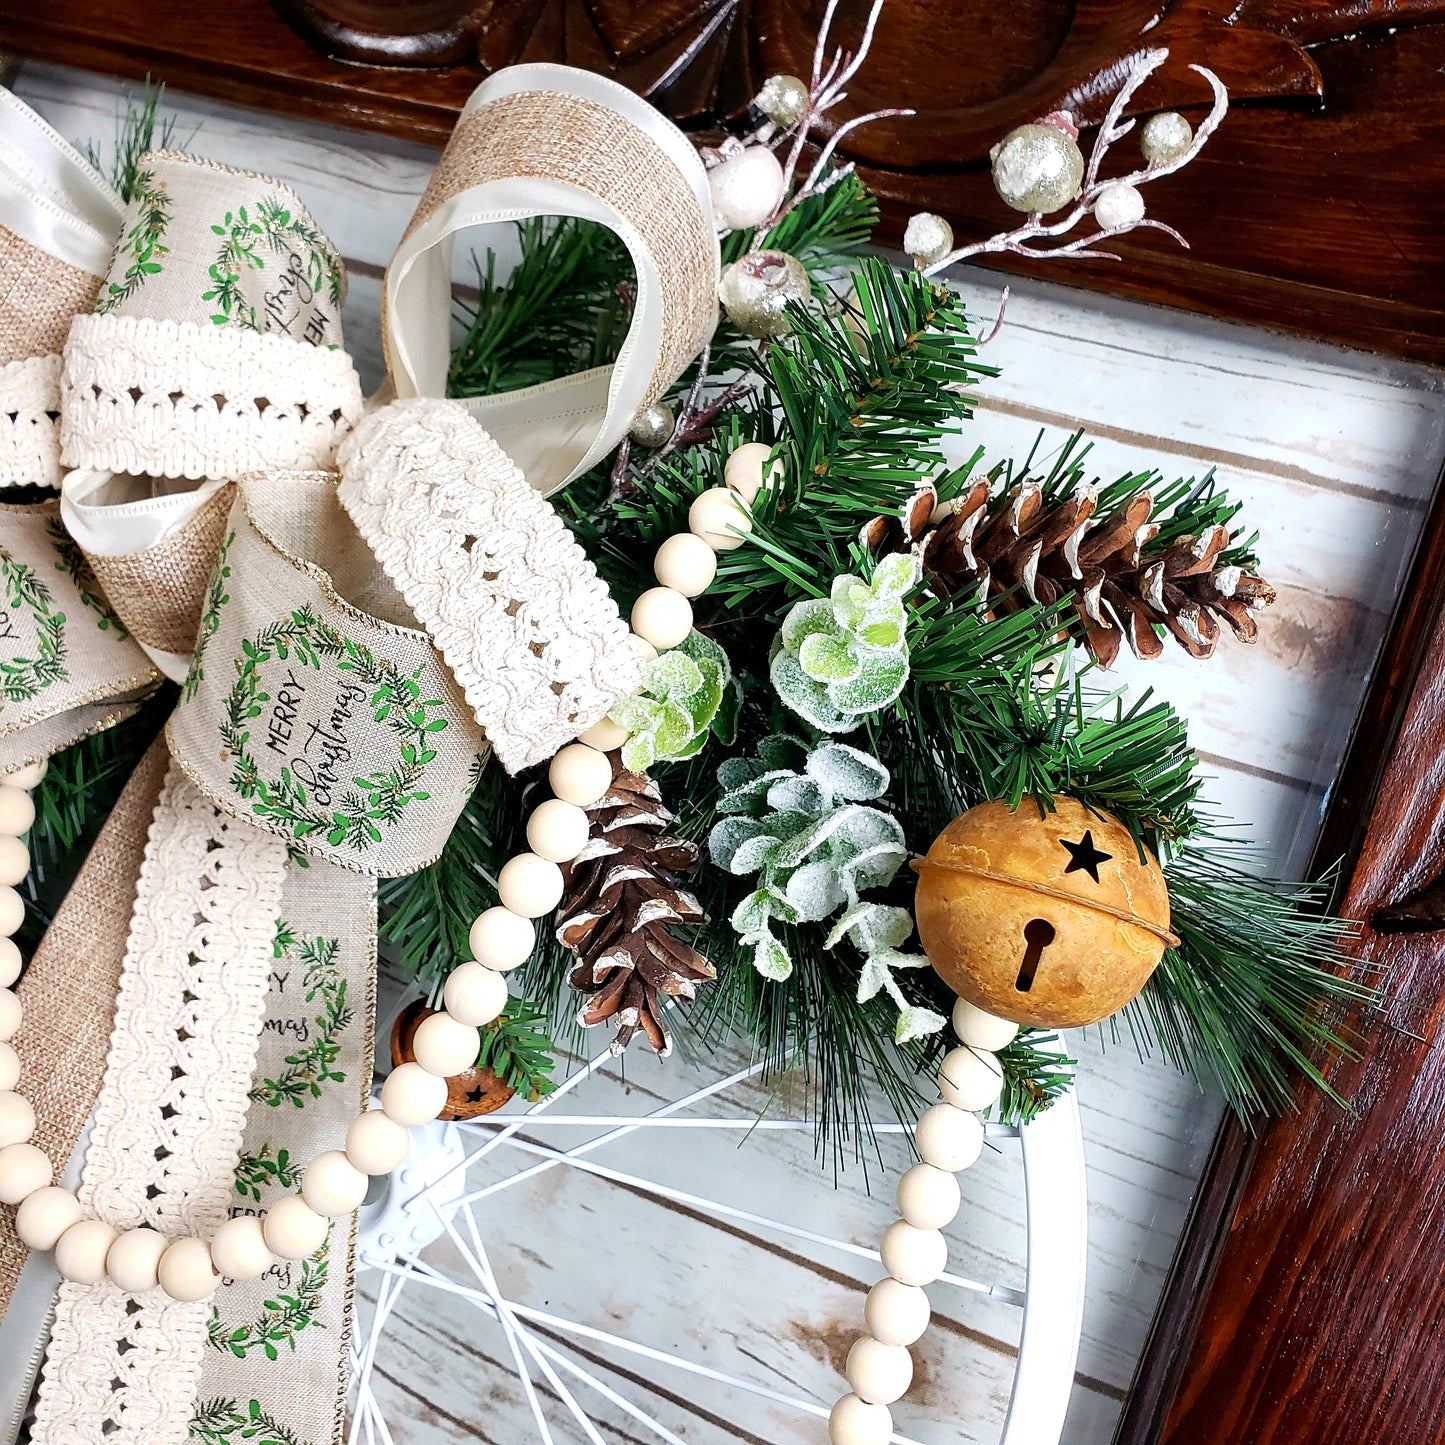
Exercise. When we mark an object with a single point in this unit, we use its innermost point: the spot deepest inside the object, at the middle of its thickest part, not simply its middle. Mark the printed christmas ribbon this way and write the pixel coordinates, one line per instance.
(314, 722)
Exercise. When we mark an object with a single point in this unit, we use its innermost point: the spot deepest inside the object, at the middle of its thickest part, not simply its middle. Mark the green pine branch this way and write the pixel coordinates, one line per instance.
(139, 128)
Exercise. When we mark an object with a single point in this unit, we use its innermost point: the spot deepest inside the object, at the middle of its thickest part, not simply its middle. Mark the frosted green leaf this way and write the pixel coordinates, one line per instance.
(873, 978)
(779, 751)
(752, 915)
(673, 729)
(798, 847)
(701, 648)
(751, 796)
(639, 752)
(807, 698)
(800, 795)
(916, 1022)
(878, 683)
(702, 704)
(806, 618)
(732, 773)
(771, 959)
(727, 835)
(848, 600)
(874, 867)
(673, 676)
(865, 828)
(847, 772)
(894, 575)
(896, 958)
(815, 892)
(873, 926)
(883, 626)
(754, 853)
(729, 713)
(827, 659)
(637, 713)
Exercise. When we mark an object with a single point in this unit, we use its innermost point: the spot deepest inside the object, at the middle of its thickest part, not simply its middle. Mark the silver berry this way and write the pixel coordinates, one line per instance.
(927, 239)
(1119, 206)
(654, 426)
(1037, 168)
(755, 291)
(783, 99)
(1165, 137)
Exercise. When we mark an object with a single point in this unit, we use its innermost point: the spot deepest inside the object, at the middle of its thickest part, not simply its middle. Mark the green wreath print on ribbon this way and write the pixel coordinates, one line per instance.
(23, 678)
(377, 800)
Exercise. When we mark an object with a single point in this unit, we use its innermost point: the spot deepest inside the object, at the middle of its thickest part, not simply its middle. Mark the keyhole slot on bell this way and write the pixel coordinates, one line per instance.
(1038, 934)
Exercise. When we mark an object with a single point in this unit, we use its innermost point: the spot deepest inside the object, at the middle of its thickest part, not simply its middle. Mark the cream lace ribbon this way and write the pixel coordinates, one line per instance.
(58, 222)
(525, 623)
(170, 1115)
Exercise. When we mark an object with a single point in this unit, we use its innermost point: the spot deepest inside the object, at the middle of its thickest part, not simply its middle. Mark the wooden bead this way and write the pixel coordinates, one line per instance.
(743, 470)
(81, 1251)
(913, 1256)
(980, 1029)
(662, 616)
(17, 811)
(970, 1078)
(579, 774)
(14, 861)
(332, 1185)
(529, 885)
(928, 1198)
(949, 1138)
(12, 911)
(186, 1272)
(28, 777)
(9, 1066)
(896, 1313)
(9, 1015)
(856, 1422)
(719, 519)
(445, 1046)
(292, 1229)
(646, 652)
(412, 1097)
(606, 736)
(45, 1215)
(501, 939)
(17, 1118)
(23, 1170)
(686, 564)
(375, 1143)
(10, 962)
(134, 1260)
(878, 1373)
(557, 830)
(474, 995)
(239, 1250)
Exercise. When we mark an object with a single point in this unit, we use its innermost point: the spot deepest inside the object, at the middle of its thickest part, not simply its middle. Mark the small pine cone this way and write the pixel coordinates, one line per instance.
(623, 896)
(1013, 550)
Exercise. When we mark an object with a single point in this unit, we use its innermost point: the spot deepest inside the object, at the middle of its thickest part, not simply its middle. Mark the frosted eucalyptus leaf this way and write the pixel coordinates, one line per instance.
(754, 853)
(637, 713)
(815, 892)
(895, 574)
(864, 828)
(806, 618)
(752, 795)
(780, 751)
(732, 773)
(916, 1022)
(874, 867)
(728, 835)
(673, 675)
(639, 752)
(848, 599)
(771, 959)
(807, 698)
(883, 627)
(847, 772)
(879, 681)
(801, 795)
(827, 659)
(754, 912)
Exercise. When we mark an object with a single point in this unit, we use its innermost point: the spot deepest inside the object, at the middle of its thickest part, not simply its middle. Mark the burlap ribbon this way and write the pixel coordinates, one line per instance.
(317, 725)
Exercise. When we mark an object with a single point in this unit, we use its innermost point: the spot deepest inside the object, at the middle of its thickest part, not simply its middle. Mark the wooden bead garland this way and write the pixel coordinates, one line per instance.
(949, 1137)
(87, 1250)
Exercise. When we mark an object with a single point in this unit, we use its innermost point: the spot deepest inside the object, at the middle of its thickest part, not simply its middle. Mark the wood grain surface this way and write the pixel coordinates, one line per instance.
(1336, 455)
(1315, 209)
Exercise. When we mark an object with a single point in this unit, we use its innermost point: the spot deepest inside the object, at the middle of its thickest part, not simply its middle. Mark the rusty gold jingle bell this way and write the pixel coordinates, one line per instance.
(1050, 920)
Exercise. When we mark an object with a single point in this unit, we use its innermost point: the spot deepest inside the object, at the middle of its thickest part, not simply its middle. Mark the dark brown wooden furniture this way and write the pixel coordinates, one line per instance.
(1307, 1300)
(1317, 209)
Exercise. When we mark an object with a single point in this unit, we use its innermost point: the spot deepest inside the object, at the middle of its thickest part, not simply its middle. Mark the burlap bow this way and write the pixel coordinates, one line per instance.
(323, 737)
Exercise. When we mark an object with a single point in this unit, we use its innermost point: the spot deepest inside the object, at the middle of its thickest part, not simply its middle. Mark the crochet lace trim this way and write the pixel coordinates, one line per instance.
(177, 399)
(121, 1369)
(29, 422)
(529, 630)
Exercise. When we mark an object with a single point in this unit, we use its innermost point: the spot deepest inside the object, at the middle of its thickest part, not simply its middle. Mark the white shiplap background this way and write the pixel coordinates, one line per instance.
(1335, 454)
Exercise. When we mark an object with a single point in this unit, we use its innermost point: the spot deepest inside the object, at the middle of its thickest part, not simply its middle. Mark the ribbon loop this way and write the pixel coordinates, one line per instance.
(330, 723)
(548, 140)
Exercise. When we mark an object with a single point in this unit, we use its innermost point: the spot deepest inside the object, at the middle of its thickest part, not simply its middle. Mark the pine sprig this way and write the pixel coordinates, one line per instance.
(139, 129)
(517, 1047)
(1033, 1076)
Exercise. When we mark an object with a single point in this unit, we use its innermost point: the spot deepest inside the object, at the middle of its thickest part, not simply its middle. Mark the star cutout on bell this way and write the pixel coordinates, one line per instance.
(1085, 855)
